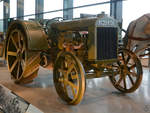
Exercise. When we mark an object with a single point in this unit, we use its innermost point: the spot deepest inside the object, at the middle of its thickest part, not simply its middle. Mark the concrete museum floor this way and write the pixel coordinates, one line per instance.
(100, 95)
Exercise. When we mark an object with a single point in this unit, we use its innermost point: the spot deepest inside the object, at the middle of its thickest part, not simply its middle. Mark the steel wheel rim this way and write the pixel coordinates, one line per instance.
(129, 73)
(69, 85)
(16, 54)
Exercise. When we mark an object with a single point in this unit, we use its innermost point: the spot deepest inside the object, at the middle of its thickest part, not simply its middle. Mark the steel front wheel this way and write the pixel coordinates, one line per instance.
(69, 78)
(127, 72)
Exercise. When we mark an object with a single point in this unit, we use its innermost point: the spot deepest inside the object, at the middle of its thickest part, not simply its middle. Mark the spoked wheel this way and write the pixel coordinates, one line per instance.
(69, 78)
(16, 54)
(127, 72)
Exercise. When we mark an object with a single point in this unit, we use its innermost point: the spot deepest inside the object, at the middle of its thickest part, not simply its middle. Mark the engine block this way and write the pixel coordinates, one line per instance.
(98, 36)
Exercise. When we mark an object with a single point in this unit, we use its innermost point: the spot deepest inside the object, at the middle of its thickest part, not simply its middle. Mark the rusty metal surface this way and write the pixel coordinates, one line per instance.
(34, 33)
(32, 64)
(22, 63)
(78, 24)
(37, 37)
(88, 25)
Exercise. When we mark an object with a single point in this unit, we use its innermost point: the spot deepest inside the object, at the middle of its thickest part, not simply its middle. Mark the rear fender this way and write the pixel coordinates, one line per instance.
(36, 39)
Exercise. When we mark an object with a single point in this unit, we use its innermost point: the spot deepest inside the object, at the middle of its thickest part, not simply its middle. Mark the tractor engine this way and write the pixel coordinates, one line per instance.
(92, 39)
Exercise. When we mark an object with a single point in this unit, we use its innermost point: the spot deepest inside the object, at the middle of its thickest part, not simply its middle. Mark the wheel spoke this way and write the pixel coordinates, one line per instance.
(65, 89)
(128, 59)
(23, 50)
(19, 40)
(119, 81)
(18, 70)
(22, 64)
(131, 79)
(11, 53)
(73, 92)
(14, 64)
(131, 67)
(123, 57)
(115, 73)
(131, 73)
(124, 82)
(70, 69)
(71, 84)
(74, 76)
(14, 42)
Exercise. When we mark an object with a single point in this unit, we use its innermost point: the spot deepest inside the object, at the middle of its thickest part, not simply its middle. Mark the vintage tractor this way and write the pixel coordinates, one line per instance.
(77, 49)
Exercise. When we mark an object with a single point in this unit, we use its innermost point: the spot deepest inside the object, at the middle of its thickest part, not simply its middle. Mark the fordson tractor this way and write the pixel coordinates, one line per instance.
(76, 49)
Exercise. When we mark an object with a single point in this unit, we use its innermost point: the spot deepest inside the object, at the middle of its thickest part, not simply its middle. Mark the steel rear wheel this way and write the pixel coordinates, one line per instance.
(127, 72)
(69, 78)
(16, 54)
(22, 64)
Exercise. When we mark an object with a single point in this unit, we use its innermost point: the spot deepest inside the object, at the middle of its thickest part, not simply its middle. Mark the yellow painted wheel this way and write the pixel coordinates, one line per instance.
(69, 78)
(127, 72)
(16, 54)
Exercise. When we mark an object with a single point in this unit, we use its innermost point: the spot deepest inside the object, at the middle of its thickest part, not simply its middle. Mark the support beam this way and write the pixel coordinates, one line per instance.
(68, 14)
(39, 7)
(20, 9)
(116, 10)
(6, 14)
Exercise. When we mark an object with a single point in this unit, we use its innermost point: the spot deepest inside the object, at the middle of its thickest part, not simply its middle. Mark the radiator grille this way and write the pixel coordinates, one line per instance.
(106, 43)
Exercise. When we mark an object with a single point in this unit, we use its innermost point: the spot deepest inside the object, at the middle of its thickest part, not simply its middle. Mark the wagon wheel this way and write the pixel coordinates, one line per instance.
(127, 72)
(69, 78)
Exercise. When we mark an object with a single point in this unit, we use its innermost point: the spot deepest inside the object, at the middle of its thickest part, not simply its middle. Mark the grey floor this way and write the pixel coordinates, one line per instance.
(100, 95)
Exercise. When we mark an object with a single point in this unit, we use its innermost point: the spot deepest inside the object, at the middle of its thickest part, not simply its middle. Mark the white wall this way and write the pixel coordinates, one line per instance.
(90, 10)
(29, 8)
(50, 5)
(132, 9)
(13, 8)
